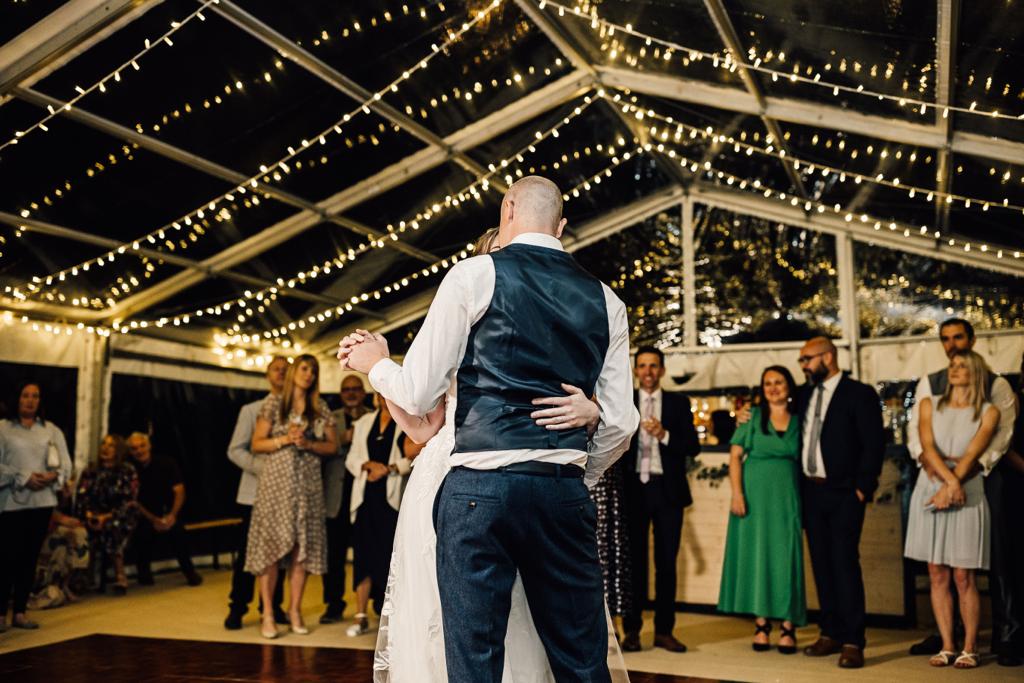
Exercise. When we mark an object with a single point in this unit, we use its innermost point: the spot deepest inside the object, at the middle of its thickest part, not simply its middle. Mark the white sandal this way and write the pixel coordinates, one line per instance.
(967, 660)
(361, 626)
(942, 658)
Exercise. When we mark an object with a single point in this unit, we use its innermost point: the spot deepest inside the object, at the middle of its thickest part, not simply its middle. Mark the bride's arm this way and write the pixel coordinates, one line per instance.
(417, 428)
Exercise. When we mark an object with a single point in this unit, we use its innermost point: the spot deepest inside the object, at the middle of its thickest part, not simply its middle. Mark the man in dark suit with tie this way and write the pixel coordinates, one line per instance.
(842, 451)
(654, 470)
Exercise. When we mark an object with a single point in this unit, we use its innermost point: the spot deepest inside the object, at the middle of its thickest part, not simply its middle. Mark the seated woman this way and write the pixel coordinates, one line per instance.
(63, 557)
(763, 570)
(106, 493)
(949, 525)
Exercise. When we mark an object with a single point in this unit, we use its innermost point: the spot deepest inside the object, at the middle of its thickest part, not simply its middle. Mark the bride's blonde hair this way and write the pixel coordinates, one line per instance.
(485, 242)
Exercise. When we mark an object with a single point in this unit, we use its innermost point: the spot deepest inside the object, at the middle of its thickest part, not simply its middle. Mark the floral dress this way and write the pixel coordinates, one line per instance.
(289, 508)
(103, 490)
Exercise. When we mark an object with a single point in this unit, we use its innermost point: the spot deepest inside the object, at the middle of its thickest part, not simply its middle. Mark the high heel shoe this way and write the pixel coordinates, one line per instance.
(268, 629)
(297, 626)
(787, 633)
(766, 629)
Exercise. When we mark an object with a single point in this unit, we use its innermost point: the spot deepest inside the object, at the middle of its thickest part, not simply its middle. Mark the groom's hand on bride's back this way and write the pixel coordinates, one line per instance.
(567, 412)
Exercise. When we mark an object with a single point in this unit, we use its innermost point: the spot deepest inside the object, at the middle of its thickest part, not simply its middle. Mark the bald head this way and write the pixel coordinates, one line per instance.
(532, 204)
(819, 359)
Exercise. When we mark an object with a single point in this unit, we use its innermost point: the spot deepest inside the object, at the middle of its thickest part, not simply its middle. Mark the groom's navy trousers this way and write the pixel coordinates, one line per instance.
(489, 524)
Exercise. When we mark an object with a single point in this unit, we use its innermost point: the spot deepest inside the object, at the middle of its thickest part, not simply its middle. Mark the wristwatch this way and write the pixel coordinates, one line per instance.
(392, 469)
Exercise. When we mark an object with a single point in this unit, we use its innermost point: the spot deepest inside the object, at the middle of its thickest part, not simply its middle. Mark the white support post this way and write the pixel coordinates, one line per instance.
(848, 318)
(92, 399)
(689, 244)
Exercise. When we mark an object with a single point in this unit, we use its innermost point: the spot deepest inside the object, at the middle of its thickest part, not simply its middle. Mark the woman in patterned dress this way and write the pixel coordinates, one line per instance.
(296, 430)
(104, 500)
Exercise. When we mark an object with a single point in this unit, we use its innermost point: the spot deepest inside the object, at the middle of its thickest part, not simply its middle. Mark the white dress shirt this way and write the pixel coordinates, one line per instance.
(438, 349)
(1002, 398)
(240, 453)
(829, 387)
(652, 443)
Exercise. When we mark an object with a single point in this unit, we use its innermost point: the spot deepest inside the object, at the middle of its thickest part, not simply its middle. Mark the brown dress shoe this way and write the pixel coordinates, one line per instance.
(851, 657)
(669, 643)
(822, 647)
(631, 643)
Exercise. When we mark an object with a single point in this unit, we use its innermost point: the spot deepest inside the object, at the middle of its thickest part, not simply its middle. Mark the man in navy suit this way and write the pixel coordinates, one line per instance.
(842, 448)
(657, 492)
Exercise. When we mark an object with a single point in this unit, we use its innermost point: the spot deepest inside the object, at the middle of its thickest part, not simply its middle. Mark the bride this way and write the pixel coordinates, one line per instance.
(410, 639)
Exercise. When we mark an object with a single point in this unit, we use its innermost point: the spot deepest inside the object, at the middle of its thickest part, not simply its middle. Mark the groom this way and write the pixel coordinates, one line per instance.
(509, 326)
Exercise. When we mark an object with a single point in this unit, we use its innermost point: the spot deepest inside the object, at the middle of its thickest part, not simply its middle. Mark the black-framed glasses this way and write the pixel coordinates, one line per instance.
(804, 360)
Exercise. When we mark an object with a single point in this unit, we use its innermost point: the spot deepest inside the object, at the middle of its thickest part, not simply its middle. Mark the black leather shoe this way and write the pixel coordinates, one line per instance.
(333, 615)
(233, 621)
(929, 646)
(631, 643)
(668, 642)
(193, 579)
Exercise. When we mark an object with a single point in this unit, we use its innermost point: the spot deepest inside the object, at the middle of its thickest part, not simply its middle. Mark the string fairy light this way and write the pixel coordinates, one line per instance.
(430, 211)
(811, 167)
(727, 63)
(112, 77)
(253, 182)
(755, 186)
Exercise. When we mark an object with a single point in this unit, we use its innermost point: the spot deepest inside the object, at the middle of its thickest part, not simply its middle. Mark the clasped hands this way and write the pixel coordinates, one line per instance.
(361, 350)
(37, 481)
(375, 471)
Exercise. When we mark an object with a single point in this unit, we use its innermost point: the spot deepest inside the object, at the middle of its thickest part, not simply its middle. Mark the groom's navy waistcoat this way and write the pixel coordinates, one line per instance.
(547, 323)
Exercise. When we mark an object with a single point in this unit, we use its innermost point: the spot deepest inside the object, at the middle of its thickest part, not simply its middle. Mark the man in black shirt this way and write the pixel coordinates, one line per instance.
(161, 495)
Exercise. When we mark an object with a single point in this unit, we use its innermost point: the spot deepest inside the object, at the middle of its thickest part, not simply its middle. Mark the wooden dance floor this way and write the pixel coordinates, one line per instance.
(119, 659)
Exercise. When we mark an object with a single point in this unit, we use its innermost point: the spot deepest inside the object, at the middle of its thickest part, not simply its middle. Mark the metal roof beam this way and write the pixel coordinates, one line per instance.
(210, 168)
(727, 32)
(44, 228)
(328, 74)
(808, 113)
(948, 24)
(487, 128)
(66, 32)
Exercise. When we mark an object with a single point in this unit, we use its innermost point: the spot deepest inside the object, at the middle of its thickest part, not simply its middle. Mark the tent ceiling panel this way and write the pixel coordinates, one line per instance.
(685, 22)
(990, 63)
(888, 48)
(16, 17)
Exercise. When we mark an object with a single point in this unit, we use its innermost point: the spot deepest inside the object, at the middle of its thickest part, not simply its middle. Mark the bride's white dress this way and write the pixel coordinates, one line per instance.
(410, 640)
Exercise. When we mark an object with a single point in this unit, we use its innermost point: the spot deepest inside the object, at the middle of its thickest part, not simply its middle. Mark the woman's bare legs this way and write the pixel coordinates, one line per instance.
(297, 580)
(268, 580)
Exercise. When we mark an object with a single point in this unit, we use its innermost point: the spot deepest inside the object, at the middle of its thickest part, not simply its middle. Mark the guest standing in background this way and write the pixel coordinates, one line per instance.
(161, 497)
(842, 447)
(957, 334)
(613, 544)
(295, 430)
(105, 501)
(251, 465)
(949, 520)
(763, 569)
(657, 492)
(380, 461)
(34, 452)
(338, 499)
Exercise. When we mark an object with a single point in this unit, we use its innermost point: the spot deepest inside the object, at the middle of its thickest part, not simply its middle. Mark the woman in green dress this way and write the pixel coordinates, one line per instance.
(763, 570)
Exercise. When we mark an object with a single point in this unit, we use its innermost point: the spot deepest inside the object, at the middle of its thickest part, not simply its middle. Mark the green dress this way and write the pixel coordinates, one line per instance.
(763, 570)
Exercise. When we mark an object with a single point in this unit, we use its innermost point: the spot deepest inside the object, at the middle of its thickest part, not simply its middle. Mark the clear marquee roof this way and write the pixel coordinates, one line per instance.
(253, 171)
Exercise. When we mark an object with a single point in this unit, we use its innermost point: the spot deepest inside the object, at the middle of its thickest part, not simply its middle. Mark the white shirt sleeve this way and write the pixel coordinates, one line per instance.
(924, 390)
(1002, 398)
(614, 391)
(434, 356)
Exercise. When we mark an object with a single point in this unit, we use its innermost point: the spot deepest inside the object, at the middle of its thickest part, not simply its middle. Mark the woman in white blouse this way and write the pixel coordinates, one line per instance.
(34, 456)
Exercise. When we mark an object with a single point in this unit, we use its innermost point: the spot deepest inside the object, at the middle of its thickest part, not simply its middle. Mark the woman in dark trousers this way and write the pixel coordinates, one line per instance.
(33, 451)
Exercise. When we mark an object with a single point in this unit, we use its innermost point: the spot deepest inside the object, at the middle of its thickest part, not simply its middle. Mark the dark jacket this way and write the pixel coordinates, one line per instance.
(682, 444)
(852, 436)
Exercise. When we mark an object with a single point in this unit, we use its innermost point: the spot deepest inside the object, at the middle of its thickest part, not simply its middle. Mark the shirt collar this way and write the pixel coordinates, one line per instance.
(832, 382)
(538, 239)
(656, 394)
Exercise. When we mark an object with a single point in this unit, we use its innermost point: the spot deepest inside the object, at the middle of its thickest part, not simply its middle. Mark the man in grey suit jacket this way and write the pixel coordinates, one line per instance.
(337, 495)
(242, 582)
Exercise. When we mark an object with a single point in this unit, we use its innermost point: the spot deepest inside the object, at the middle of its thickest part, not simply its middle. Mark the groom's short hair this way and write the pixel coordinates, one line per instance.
(538, 200)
